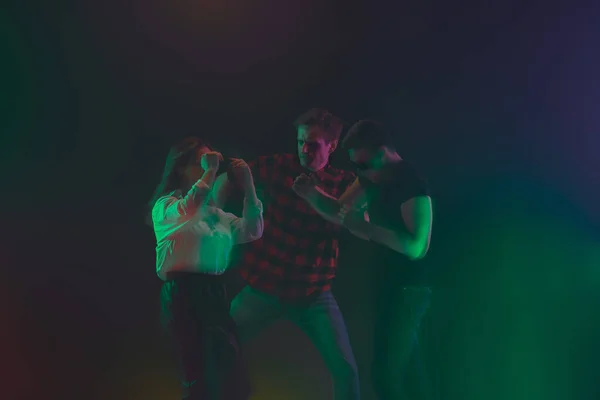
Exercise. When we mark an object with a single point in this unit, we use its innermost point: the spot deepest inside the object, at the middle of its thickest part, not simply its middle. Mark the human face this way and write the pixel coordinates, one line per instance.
(368, 163)
(313, 148)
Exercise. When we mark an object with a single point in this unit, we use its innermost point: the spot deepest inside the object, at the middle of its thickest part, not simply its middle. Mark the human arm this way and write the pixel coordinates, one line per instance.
(417, 214)
(222, 189)
(250, 226)
(325, 204)
(261, 169)
(173, 208)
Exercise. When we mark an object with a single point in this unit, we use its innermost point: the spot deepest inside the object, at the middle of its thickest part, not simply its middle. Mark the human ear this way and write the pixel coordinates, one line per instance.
(332, 146)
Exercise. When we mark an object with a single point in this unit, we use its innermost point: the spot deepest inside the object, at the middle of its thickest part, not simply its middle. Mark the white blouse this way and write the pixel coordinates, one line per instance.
(194, 236)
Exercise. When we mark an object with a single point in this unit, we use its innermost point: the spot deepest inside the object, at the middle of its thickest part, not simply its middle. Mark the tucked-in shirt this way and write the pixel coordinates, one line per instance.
(297, 255)
(194, 236)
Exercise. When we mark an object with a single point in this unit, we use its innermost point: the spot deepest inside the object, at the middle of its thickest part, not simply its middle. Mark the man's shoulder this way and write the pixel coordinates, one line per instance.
(275, 159)
(402, 171)
(406, 177)
(341, 175)
(276, 169)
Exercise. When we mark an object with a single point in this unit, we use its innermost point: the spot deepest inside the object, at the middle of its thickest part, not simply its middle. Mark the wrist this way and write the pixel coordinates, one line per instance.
(312, 194)
(361, 226)
(365, 231)
(209, 175)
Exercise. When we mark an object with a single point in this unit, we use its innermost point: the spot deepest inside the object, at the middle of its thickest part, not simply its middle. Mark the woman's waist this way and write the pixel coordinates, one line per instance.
(192, 273)
(169, 272)
(206, 260)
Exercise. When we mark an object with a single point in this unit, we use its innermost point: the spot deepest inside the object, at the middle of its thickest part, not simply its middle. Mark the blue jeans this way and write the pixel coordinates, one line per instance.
(320, 319)
(397, 371)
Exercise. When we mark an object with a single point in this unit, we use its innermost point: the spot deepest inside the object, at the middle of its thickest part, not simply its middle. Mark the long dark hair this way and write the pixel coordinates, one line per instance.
(180, 155)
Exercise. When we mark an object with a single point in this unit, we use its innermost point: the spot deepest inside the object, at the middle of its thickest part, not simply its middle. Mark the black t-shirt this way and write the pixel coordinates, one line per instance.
(400, 183)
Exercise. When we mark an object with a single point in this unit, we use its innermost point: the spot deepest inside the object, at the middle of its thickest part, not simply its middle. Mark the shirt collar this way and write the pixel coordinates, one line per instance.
(320, 173)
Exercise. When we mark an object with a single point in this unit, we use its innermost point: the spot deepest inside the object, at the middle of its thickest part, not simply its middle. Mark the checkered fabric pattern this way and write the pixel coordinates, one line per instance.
(297, 255)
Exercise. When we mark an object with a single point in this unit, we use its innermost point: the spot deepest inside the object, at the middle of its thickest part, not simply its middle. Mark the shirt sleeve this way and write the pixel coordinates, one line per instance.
(409, 185)
(415, 185)
(170, 208)
(250, 227)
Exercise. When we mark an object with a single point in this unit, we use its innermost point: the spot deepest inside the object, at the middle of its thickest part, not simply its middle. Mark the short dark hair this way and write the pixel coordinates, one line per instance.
(331, 125)
(367, 134)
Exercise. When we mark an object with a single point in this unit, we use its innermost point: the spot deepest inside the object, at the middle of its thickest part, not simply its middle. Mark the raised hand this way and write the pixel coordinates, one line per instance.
(304, 185)
(241, 172)
(211, 160)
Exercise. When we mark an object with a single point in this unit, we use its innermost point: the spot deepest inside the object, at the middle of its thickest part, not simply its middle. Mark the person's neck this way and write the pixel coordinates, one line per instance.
(321, 168)
(388, 160)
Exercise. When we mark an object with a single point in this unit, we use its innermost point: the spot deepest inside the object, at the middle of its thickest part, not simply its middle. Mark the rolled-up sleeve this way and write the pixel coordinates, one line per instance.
(250, 227)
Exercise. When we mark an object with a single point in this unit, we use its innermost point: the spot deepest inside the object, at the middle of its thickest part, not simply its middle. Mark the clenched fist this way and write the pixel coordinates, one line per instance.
(304, 185)
(210, 160)
(242, 173)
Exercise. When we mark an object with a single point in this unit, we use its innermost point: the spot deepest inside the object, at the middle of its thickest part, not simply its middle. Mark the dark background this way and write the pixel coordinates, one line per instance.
(496, 103)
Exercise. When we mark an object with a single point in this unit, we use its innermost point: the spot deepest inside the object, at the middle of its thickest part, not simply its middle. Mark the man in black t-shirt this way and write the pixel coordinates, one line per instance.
(389, 204)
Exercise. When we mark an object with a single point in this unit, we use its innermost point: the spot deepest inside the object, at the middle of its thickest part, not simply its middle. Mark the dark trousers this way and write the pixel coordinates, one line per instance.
(398, 372)
(195, 314)
(319, 318)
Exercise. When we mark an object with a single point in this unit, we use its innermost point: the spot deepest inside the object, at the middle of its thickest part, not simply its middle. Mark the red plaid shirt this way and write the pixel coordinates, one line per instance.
(297, 254)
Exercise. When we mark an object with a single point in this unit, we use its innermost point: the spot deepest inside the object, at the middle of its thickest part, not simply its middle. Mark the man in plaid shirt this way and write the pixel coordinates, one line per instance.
(290, 270)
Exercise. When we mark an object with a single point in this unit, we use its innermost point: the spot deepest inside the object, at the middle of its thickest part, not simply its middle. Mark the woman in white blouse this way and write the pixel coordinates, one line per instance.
(193, 243)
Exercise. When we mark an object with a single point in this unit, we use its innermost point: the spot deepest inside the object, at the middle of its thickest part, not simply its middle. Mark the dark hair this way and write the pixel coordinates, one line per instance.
(325, 120)
(367, 134)
(180, 155)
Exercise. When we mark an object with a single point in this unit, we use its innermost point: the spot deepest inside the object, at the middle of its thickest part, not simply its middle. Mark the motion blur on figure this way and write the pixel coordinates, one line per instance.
(290, 270)
(193, 243)
(389, 205)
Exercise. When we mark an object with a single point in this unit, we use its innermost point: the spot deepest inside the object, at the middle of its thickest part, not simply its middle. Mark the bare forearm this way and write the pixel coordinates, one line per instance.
(399, 241)
(326, 205)
(329, 207)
